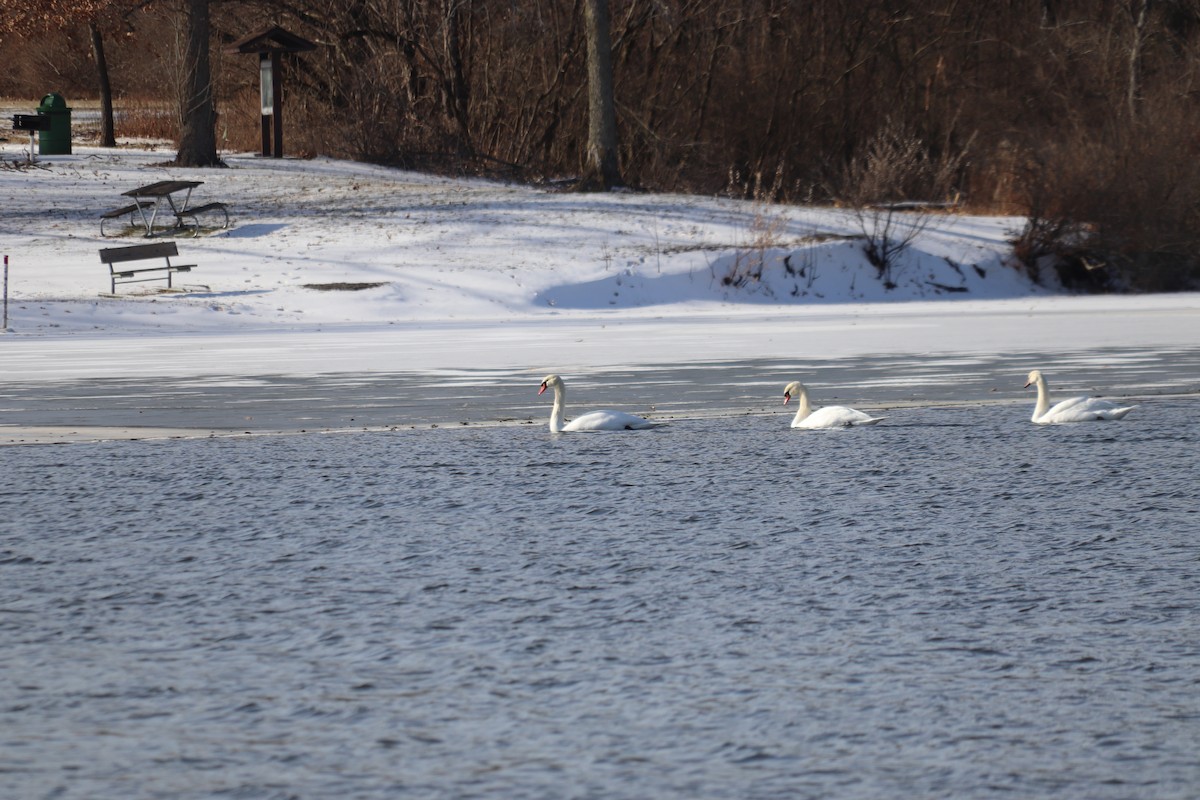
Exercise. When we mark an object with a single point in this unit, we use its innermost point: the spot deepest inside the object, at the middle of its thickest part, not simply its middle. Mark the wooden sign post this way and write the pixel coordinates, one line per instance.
(270, 45)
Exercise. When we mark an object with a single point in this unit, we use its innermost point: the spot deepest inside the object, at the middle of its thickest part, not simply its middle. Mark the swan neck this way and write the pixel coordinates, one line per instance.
(1043, 401)
(803, 411)
(558, 413)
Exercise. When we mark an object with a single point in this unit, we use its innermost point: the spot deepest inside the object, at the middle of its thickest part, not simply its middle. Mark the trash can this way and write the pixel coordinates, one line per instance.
(57, 140)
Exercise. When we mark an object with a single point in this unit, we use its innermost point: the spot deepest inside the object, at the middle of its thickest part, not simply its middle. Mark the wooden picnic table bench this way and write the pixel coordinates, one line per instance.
(207, 208)
(133, 210)
(148, 200)
(142, 252)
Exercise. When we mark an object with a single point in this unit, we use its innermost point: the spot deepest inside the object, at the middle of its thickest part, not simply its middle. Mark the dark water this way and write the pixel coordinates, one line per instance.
(955, 603)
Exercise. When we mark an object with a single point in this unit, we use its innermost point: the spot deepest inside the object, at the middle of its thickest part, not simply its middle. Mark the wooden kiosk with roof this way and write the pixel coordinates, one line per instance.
(271, 44)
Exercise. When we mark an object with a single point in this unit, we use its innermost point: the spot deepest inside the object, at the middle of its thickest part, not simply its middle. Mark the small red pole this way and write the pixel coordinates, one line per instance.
(5, 326)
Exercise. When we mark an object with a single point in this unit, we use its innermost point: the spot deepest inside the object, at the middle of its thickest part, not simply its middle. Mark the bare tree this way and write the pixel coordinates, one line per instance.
(108, 136)
(601, 166)
(1138, 11)
(197, 135)
(894, 189)
(20, 16)
(455, 89)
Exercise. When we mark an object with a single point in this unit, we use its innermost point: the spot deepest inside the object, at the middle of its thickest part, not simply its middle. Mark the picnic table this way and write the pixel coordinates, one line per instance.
(161, 196)
(156, 193)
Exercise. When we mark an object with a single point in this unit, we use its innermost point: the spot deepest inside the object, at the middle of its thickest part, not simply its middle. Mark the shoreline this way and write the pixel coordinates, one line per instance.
(196, 402)
(647, 337)
(41, 435)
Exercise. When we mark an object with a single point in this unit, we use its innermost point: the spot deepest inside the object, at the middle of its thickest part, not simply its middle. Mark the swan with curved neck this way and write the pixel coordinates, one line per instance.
(827, 417)
(1076, 409)
(592, 421)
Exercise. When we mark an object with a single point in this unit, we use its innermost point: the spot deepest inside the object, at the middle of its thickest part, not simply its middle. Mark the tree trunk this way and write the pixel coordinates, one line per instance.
(457, 91)
(1133, 92)
(198, 135)
(601, 168)
(107, 130)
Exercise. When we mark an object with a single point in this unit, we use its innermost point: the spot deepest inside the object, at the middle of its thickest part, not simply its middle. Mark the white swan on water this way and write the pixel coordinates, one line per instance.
(592, 421)
(827, 417)
(1077, 409)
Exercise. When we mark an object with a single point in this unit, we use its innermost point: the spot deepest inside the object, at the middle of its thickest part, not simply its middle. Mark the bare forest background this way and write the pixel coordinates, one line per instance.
(1082, 116)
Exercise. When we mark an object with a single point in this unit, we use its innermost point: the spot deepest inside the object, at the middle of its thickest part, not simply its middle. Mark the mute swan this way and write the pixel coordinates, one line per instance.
(592, 421)
(827, 417)
(1077, 409)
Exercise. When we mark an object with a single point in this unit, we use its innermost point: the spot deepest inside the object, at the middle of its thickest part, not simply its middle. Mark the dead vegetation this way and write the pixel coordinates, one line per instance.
(1081, 116)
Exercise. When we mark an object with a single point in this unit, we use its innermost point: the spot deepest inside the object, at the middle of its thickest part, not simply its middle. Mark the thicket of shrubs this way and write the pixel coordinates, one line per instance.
(1083, 116)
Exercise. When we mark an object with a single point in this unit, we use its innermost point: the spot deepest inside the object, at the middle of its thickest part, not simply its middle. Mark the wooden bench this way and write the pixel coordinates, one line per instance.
(207, 208)
(134, 210)
(142, 252)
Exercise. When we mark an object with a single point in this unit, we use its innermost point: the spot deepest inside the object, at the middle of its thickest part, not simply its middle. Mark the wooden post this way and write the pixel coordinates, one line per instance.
(266, 101)
(270, 45)
(277, 94)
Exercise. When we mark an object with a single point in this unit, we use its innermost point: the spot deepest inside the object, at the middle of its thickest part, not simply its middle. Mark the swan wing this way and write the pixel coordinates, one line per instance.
(1084, 409)
(1116, 412)
(609, 421)
(837, 417)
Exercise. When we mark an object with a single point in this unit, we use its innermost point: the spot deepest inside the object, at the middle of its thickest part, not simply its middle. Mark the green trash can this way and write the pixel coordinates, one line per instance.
(57, 140)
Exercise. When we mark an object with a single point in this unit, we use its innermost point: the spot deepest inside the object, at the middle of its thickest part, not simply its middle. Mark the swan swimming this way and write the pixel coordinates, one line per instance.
(827, 417)
(592, 421)
(1076, 409)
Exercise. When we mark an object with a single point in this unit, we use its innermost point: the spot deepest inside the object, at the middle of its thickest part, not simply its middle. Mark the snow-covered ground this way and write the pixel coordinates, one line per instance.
(332, 266)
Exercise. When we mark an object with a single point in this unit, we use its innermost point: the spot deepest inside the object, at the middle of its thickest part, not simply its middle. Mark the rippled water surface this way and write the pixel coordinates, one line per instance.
(955, 603)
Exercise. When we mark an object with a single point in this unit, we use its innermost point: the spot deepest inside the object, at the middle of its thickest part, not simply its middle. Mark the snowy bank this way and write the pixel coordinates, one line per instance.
(342, 267)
